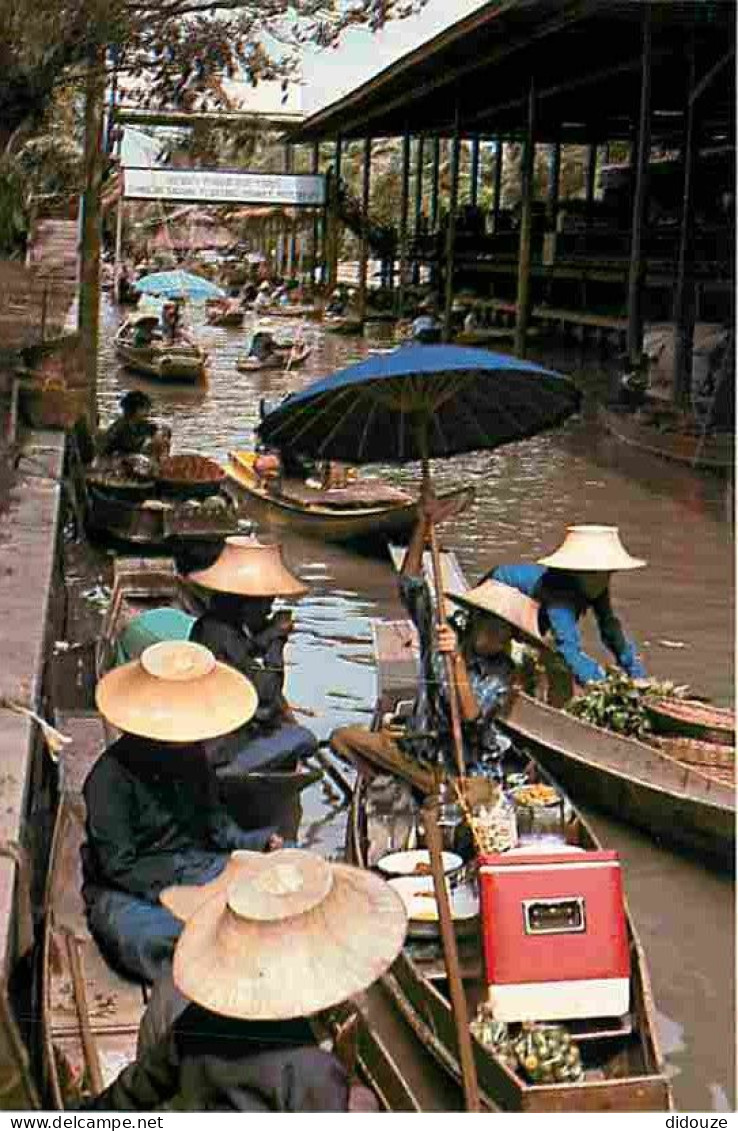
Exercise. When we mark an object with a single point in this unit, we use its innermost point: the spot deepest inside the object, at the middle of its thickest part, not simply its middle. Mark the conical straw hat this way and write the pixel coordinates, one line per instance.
(290, 936)
(591, 548)
(183, 900)
(248, 568)
(176, 692)
(504, 602)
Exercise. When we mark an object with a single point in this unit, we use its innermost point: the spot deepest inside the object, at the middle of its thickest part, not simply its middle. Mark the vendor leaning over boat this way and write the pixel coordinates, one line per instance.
(483, 668)
(569, 583)
(268, 944)
(153, 813)
(134, 432)
(240, 629)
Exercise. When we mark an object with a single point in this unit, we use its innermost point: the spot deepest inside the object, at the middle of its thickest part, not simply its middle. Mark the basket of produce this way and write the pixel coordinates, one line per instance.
(691, 718)
(189, 476)
(214, 518)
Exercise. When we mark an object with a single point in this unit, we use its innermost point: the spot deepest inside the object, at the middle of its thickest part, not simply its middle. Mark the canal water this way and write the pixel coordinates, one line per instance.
(679, 609)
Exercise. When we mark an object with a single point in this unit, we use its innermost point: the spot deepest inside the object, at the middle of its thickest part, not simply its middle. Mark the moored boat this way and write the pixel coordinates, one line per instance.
(342, 324)
(154, 523)
(177, 362)
(714, 451)
(369, 510)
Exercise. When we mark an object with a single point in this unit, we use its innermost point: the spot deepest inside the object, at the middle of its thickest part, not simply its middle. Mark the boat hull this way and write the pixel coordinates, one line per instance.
(712, 452)
(372, 524)
(161, 365)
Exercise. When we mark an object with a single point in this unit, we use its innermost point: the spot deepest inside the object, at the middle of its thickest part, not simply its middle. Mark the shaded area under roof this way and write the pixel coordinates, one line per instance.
(585, 56)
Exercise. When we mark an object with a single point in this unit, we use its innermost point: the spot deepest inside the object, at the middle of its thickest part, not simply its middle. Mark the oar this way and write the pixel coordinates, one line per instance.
(451, 959)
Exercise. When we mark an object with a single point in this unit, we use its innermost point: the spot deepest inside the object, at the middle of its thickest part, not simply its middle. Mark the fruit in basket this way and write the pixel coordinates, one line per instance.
(190, 468)
(537, 794)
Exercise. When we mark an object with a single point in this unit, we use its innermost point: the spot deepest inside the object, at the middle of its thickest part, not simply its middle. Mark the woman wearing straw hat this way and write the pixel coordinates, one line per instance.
(153, 814)
(568, 583)
(274, 940)
(240, 630)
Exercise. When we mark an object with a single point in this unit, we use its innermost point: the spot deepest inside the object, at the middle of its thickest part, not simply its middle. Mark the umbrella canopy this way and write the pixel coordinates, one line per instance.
(170, 284)
(420, 402)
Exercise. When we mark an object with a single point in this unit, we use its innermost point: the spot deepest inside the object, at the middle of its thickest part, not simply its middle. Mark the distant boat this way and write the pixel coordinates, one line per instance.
(296, 357)
(704, 450)
(181, 361)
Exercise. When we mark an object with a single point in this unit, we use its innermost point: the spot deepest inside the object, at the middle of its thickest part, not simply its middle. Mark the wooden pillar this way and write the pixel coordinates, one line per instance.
(591, 181)
(88, 315)
(526, 227)
(474, 183)
(684, 294)
(334, 221)
(315, 245)
(640, 201)
(289, 157)
(365, 198)
(497, 183)
(404, 204)
(451, 231)
(435, 178)
(418, 205)
(554, 176)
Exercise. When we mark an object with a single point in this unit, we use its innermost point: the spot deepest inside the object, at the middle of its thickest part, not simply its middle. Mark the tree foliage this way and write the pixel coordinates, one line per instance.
(175, 52)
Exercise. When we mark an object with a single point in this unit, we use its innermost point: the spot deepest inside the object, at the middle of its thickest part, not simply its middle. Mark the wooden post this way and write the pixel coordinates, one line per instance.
(474, 182)
(591, 180)
(316, 220)
(435, 178)
(418, 206)
(554, 176)
(640, 201)
(526, 227)
(365, 199)
(684, 294)
(451, 230)
(334, 221)
(497, 184)
(404, 208)
(88, 319)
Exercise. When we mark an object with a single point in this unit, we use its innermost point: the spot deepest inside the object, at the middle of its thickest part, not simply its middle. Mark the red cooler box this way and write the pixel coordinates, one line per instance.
(555, 937)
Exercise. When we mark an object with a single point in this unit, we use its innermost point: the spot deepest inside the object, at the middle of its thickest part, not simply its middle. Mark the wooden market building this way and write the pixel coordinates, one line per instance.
(657, 75)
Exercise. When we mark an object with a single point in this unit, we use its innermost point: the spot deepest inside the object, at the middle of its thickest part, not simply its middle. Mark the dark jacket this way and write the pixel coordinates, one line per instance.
(154, 818)
(257, 655)
(212, 1063)
(126, 437)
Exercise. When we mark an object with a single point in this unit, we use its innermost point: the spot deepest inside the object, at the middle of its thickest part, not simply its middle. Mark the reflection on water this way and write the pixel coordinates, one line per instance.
(679, 609)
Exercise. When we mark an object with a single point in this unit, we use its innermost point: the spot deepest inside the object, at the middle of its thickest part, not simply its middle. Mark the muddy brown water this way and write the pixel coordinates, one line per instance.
(679, 609)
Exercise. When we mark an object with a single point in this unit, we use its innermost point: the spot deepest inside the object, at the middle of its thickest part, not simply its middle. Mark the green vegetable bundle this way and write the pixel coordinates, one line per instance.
(620, 703)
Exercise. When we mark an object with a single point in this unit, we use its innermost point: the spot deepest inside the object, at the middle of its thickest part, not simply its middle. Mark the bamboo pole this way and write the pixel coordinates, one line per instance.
(451, 960)
(526, 228)
(640, 201)
(404, 207)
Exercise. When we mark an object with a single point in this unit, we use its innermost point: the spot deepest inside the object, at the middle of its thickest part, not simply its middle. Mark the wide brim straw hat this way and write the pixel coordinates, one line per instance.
(264, 286)
(176, 691)
(249, 568)
(592, 548)
(506, 603)
(287, 935)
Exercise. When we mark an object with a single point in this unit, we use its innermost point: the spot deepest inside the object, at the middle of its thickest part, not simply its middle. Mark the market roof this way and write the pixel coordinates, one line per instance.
(585, 57)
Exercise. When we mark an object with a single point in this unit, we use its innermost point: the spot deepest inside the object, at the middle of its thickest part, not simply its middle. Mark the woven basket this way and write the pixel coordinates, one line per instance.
(693, 752)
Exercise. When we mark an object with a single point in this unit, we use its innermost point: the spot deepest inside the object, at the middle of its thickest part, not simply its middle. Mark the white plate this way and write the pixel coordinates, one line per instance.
(420, 903)
(405, 863)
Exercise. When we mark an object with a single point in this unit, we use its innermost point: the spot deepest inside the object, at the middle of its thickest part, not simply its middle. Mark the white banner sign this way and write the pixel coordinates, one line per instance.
(221, 187)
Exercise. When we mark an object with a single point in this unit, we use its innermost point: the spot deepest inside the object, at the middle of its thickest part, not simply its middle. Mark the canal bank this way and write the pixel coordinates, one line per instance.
(31, 616)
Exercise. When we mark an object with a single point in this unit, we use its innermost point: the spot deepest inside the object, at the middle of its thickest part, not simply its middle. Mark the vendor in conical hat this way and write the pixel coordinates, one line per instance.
(153, 813)
(241, 630)
(274, 940)
(574, 580)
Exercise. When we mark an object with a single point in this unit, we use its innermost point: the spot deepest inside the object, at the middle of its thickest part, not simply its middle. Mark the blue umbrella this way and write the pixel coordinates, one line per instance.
(172, 284)
(416, 403)
(420, 402)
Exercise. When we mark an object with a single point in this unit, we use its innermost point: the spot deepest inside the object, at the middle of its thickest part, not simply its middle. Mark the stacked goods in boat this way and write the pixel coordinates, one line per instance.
(189, 475)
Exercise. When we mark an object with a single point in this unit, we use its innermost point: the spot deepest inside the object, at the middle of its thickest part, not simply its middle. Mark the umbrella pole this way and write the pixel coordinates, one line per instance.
(453, 696)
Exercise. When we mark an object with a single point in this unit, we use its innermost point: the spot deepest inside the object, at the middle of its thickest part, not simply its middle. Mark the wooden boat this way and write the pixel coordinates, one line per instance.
(342, 324)
(283, 359)
(156, 524)
(90, 1015)
(624, 1069)
(335, 516)
(293, 310)
(178, 362)
(714, 451)
(681, 804)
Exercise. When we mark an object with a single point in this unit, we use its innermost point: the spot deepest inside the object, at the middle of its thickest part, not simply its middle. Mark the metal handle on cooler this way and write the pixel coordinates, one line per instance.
(555, 916)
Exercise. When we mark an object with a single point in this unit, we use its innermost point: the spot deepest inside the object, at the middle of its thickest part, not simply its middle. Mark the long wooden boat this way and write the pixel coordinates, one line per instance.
(342, 324)
(624, 1069)
(178, 362)
(714, 451)
(683, 806)
(293, 310)
(312, 513)
(231, 318)
(90, 1014)
(155, 524)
